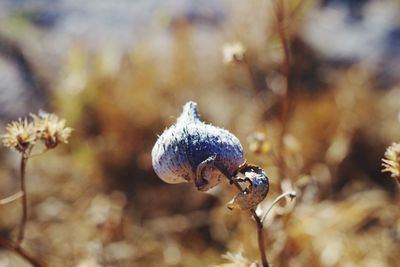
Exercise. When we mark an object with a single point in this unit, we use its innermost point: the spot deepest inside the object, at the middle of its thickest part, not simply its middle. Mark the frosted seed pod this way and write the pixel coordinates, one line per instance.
(254, 193)
(189, 143)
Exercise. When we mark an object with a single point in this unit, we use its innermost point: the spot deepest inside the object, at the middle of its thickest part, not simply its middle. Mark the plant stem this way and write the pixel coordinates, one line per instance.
(11, 198)
(291, 194)
(21, 233)
(17, 249)
(260, 238)
(252, 74)
(280, 17)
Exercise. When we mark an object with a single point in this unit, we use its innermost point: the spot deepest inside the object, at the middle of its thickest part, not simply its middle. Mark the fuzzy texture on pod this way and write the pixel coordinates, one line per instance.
(256, 191)
(188, 143)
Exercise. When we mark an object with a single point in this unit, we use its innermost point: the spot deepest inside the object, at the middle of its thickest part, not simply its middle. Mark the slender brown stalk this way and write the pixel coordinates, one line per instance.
(7, 244)
(21, 233)
(252, 74)
(280, 17)
(291, 195)
(260, 238)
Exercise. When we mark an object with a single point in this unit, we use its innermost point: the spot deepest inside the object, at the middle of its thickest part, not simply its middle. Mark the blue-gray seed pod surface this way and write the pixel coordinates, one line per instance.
(182, 147)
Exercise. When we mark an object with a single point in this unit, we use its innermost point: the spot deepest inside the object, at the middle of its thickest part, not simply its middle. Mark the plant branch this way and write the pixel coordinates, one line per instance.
(21, 233)
(11, 198)
(260, 238)
(251, 72)
(280, 17)
(7, 244)
(291, 194)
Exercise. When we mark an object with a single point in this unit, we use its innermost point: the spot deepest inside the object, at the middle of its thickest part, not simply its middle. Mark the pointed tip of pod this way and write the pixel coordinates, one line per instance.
(190, 112)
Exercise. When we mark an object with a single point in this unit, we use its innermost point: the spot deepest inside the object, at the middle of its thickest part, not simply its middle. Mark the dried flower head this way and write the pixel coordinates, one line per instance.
(20, 135)
(50, 129)
(391, 162)
(233, 52)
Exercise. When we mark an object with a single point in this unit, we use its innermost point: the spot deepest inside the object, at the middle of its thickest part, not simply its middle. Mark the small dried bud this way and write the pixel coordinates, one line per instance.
(20, 135)
(184, 146)
(233, 52)
(258, 143)
(391, 162)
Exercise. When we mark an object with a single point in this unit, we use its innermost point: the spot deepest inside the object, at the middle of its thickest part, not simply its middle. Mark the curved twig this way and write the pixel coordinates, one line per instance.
(291, 194)
(11, 198)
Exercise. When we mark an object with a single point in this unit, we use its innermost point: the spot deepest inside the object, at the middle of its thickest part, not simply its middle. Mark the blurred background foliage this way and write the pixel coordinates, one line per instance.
(120, 71)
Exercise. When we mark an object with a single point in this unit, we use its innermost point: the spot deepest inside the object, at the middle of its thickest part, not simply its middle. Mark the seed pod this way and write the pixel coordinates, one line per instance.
(190, 142)
(254, 193)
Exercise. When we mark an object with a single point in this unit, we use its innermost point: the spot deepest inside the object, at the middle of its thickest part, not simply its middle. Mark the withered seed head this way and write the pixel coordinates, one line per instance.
(20, 135)
(46, 127)
(50, 129)
(391, 162)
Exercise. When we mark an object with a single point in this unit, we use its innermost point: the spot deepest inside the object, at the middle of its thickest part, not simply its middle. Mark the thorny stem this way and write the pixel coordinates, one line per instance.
(291, 194)
(7, 244)
(24, 160)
